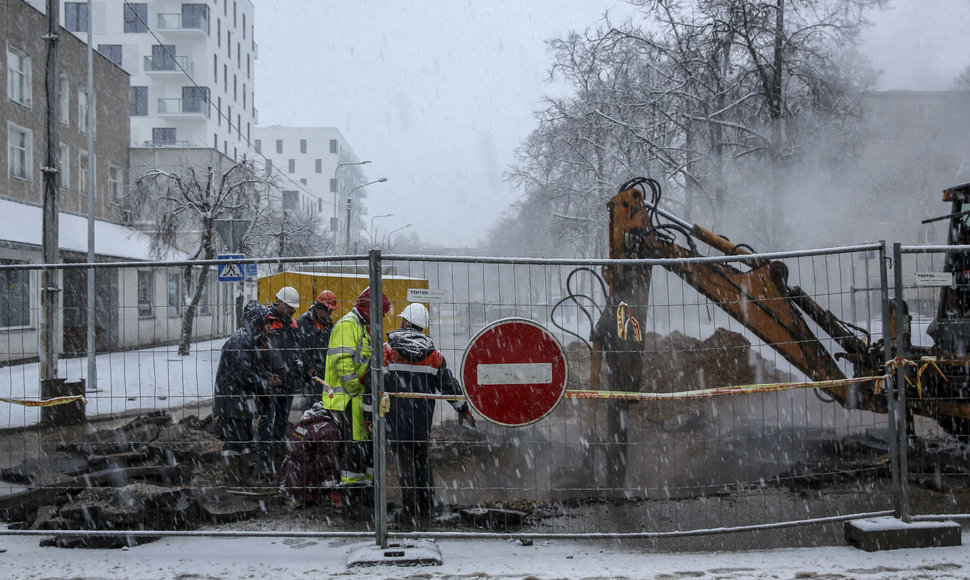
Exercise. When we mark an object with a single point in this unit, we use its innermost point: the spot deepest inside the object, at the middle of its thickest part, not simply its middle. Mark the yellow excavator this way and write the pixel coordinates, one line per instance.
(756, 293)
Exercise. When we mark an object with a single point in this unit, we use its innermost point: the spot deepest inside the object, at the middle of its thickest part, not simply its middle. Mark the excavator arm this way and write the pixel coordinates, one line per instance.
(759, 298)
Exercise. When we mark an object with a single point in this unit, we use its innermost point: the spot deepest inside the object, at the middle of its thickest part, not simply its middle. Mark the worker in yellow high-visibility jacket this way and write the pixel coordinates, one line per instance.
(349, 398)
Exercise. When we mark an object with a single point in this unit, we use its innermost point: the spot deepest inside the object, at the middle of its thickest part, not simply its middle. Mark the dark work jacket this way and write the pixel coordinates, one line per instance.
(314, 339)
(284, 350)
(415, 366)
(241, 376)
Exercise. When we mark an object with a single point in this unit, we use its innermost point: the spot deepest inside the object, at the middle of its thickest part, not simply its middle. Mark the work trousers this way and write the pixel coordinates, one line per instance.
(417, 481)
(237, 432)
(274, 416)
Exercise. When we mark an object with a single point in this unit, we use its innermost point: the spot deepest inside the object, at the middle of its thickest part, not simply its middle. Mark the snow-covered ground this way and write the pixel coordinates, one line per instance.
(189, 557)
(128, 381)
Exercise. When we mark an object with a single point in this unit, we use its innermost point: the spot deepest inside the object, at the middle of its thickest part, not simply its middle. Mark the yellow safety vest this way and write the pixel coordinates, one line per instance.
(348, 358)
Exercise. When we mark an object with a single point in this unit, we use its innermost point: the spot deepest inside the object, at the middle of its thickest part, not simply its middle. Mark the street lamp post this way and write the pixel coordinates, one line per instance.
(349, 194)
(388, 244)
(336, 186)
(372, 224)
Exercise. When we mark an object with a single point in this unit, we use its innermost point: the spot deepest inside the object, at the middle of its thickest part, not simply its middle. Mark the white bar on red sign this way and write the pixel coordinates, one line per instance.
(514, 374)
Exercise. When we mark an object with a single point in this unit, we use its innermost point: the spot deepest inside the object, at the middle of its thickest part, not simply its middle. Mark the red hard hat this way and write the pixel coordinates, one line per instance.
(328, 299)
(363, 304)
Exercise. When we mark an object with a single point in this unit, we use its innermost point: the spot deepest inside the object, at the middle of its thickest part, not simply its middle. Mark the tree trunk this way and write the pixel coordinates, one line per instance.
(188, 319)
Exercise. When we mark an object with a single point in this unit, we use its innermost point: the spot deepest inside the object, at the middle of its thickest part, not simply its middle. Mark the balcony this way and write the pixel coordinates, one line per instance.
(177, 64)
(183, 23)
(166, 143)
(198, 107)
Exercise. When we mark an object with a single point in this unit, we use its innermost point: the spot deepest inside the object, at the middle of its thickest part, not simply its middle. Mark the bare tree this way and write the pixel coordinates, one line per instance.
(962, 82)
(185, 204)
(287, 233)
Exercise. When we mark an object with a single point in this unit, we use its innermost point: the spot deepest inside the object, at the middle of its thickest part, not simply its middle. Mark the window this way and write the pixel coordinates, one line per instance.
(259, 145)
(163, 57)
(333, 185)
(318, 165)
(195, 100)
(244, 26)
(145, 294)
(64, 100)
(82, 173)
(229, 43)
(136, 16)
(14, 295)
(247, 130)
(238, 55)
(82, 111)
(303, 180)
(238, 125)
(215, 70)
(215, 140)
(234, 22)
(163, 136)
(279, 146)
(174, 301)
(139, 101)
(225, 78)
(333, 146)
(18, 77)
(269, 167)
(291, 166)
(219, 111)
(291, 200)
(204, 299)
(19, 152)
(218, 32)
(302, 145)
(114, 184)
(248, 73)
(63, 167)
(235, 88)
(244, 99)
(112, 52)
(195, 16)
(76, 16)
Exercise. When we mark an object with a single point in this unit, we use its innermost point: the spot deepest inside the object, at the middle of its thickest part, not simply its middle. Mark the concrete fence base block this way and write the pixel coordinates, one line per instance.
(888, 533)
(398, 552)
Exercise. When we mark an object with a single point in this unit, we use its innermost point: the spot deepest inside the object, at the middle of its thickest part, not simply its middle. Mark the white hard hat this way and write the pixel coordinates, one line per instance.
(416, 314)
(289, 296)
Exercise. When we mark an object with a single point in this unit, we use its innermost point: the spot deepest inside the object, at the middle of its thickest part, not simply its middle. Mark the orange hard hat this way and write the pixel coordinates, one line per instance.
(328, 299)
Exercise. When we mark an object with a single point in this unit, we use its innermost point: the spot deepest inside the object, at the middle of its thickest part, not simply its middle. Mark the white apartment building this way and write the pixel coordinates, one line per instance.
(315, 169)
(192, 68)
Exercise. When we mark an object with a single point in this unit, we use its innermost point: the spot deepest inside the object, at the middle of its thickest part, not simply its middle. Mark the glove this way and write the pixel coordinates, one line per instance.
(465, 414)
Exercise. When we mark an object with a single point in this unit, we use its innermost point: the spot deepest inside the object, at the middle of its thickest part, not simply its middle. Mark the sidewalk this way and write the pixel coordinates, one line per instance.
(179, 558)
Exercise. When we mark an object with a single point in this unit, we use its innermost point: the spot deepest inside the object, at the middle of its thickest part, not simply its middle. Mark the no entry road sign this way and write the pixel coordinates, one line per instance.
(514, 372)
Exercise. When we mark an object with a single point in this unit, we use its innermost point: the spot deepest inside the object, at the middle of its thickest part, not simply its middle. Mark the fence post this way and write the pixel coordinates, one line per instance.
(887, 309)
(902, 446)
(377, 388)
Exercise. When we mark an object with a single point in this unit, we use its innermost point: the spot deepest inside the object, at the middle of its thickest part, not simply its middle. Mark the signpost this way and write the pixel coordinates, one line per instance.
(514, 372)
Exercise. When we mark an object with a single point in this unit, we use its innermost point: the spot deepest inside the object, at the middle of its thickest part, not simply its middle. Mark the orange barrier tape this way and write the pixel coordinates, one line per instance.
(681, 395)
(716, 391)
(45, 402)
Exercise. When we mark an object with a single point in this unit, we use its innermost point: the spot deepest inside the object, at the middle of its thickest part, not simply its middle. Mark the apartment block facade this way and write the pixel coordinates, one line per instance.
(315, 168)
(192, 68)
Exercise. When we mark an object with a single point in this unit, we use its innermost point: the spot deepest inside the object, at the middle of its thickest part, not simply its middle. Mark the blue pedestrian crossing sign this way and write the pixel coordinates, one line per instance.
(231, 271)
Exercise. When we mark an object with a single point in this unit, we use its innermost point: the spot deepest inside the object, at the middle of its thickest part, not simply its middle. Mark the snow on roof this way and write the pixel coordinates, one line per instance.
(24, 224)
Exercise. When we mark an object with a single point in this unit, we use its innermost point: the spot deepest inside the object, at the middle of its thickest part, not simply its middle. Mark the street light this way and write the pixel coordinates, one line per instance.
(349, 194)
(388, 238)
(336, 186)
(372, 224)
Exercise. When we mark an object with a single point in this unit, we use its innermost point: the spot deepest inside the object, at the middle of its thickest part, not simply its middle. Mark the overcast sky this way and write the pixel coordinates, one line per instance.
(438, 94)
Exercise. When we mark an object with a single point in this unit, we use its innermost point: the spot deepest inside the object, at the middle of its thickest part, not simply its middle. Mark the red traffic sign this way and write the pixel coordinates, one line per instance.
(514, 372)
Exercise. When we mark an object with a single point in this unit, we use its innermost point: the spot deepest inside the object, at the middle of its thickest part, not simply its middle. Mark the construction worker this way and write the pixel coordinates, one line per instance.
(348, 360)
(414, 365)
(242, 376)
(286, 362)
(315, 325)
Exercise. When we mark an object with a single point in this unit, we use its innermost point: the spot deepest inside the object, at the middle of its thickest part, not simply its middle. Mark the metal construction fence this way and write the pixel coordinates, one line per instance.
(714, 430)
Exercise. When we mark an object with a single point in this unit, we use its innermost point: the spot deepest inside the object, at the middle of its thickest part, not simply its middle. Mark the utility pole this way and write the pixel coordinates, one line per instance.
(49, 278)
